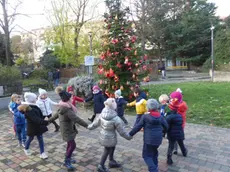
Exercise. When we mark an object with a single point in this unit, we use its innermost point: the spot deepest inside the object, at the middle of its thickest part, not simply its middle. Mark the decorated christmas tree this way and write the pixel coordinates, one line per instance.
(122, 62)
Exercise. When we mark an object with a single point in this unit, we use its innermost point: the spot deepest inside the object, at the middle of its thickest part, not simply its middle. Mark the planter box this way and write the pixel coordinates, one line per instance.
(9, 89)
(220, 76)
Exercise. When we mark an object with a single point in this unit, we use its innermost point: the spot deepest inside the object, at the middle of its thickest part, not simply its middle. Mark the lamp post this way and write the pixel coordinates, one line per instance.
(90, 40)
(212, 51)
(91, 50)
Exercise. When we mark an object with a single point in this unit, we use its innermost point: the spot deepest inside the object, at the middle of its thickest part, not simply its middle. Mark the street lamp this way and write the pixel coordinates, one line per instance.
(91, 50)
(91, 47)
(212, 51)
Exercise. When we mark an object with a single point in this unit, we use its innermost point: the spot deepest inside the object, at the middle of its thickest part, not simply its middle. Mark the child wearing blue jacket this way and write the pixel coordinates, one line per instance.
(153, 124)
(164, 100)
(120, 105)
(176, 131)
(98, 102)
(19, 121)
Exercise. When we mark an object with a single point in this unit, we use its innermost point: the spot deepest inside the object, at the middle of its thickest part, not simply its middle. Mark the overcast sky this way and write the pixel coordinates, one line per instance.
(37, 19)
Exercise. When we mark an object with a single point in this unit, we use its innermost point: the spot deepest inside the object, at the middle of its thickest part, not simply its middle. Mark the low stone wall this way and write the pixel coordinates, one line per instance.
(220, 76)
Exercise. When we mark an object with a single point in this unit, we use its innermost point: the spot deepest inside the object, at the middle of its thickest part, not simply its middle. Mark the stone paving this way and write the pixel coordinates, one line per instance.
(209, 150)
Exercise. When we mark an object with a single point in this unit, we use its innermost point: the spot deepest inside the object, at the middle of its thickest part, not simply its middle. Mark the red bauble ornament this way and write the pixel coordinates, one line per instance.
(111, 73)
(129, 64)
(119, 65)
(145, 67)
(145, 57)
(107, 74)
(100, 71)
(109, 54)
(114, 41)
(102, 56)
(116, 53)
(133, 39)
(128, 48)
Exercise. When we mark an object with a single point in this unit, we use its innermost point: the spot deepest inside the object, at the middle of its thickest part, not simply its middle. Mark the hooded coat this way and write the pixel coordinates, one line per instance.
(110, 123)
(67, 120)
(36, 125)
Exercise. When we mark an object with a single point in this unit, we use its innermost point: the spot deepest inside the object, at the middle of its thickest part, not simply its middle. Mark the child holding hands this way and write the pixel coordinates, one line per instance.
(110, 123)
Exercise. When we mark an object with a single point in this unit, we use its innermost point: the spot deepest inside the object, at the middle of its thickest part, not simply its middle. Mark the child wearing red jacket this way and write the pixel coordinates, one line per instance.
(75, 98)
(182, 109)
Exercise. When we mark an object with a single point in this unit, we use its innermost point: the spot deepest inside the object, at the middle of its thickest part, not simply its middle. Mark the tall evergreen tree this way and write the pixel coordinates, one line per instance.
(122, 62)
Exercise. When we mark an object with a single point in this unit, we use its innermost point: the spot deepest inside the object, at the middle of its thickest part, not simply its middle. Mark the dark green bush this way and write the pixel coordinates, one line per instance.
(39, 74)
(9, 75)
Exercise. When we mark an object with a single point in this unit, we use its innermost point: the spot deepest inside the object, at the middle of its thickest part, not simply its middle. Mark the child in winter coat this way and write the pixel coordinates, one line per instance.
(176, 131)
(19, 120)
(153, 123)
(182, 109)
(75, 98)
(44, 103)
(110, 123)
(163, 99)
(13, 97)
(98, 101)
(67, 118)
(120, 105)
(140, 104)
(142, 93)
(36, 125)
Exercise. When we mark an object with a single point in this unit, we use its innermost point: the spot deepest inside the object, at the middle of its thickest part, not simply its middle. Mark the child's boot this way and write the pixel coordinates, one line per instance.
(114, 164)
(169, 159)
(185, 152)
(68, 165)
(101, 168)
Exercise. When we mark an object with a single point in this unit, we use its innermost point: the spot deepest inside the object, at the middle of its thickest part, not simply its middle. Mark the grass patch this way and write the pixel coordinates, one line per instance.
(208, 102)
(27, 82)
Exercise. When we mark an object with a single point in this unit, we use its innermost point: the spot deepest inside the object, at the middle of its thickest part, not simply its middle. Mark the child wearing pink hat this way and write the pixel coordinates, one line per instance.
(182, 109)
(98, 102)
(175, 122)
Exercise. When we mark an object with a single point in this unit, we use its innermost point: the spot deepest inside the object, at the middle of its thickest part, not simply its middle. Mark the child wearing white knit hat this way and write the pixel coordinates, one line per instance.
(36, 125)
(120, 105)
(45, 103)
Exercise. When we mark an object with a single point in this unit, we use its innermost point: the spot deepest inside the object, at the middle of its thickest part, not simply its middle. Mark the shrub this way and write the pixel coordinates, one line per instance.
(9, 74)
(82, 85)
(40, 74)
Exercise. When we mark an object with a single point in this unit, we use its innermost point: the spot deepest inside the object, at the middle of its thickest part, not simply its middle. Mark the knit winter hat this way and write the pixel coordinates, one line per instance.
(64, 95)
(174, 102)
(95, 88)
(152, 104)
(111, 103)
(118, 93)
(30, 97)
(177, 95)
(42, 91)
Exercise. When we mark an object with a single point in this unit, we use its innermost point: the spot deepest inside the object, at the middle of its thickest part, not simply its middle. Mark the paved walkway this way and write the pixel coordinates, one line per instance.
(209, 150)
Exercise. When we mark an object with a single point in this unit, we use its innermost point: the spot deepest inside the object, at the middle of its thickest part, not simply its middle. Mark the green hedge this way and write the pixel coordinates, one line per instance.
(39, 74)
(9, 75)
